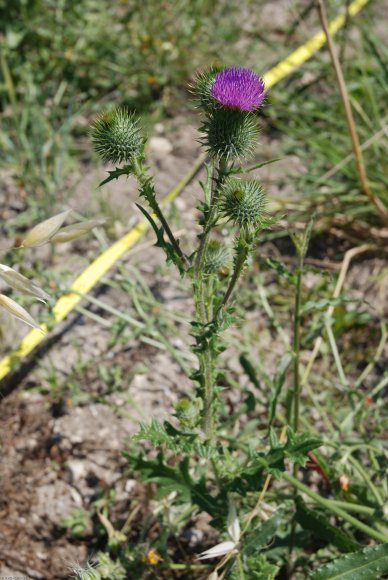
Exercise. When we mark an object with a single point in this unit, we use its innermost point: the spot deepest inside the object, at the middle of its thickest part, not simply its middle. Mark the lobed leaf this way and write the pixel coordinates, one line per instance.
(116, 173)
(299, 444)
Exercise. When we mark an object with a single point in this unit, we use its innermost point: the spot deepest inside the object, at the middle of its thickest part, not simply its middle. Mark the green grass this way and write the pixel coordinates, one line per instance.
(308, 112)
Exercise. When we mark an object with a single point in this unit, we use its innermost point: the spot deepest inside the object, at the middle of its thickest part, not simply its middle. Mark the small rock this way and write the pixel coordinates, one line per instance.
(159, 146)
(130, 485)
(56, 501)
(159, 128)
(193, 536)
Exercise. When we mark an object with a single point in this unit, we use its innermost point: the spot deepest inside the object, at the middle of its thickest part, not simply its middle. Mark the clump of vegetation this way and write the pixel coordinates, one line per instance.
(221, 463)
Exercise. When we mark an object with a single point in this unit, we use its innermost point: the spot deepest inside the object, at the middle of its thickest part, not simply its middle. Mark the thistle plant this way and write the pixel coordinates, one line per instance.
(206, 470)
(230, 99)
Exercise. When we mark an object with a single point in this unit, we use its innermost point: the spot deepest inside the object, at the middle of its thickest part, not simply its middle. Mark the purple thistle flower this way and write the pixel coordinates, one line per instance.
(238, 88)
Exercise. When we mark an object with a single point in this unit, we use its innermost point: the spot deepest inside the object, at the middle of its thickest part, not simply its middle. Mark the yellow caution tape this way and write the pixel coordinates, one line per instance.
(306, 51)
(93, 273)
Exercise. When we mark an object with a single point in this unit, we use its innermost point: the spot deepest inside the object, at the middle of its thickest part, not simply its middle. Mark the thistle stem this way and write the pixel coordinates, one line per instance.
(148, 191)
(201, 295)
(239, 265)
(209, 220)
(242, 252)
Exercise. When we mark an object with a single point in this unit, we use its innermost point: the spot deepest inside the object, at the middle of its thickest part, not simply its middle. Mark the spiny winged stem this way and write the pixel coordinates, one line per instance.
(148, 192)
(222, 172)
(206, 354)
(243, 247)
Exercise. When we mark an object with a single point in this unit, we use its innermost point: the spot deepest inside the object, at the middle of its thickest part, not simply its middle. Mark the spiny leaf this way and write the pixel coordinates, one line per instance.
(370, 563)
(166, 434)
(296, 449)
(299, 444)
(161, 242)
(44, 231)
(116, 173)
(167, 478)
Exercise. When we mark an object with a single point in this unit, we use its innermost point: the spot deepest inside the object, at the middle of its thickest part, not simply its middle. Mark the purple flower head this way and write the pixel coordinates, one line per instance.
(238, 88)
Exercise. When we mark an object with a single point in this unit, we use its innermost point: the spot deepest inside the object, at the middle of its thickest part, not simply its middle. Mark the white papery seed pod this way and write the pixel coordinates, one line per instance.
(43, 232)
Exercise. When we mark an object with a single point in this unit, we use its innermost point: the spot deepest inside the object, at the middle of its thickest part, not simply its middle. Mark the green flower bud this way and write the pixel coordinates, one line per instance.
(243, 201)
(217, 258)
(231, 134)
(117, 137)
(188, 412)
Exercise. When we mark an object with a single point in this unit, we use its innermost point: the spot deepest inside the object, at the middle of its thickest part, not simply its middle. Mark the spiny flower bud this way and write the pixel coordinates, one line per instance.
(243, 201)
(117, 136)
(217, 257)
(231, 134)
(201, 87)
(238, 88)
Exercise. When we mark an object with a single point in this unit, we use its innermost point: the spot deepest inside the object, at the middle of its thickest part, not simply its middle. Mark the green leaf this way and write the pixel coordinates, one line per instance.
(167, 435)
(371, 563)
(277, 384)
(256, 567)
(324, 303)
(167, 478)
(281, 269)
(260, 569)
(249, 370)
(167, 247)
(253, 167)
(262, 535)
(116, 173)
(296, 449)
(299, 444)
(319, 525)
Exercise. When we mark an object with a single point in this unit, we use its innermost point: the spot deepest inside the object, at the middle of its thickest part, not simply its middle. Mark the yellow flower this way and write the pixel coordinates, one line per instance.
(152, 557)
